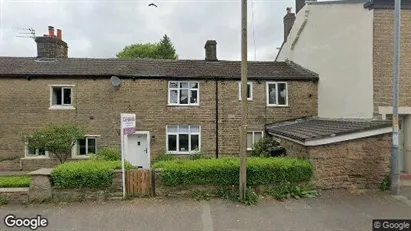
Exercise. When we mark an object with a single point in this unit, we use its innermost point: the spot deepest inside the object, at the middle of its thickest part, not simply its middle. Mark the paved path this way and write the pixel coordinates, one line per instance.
(336, 211)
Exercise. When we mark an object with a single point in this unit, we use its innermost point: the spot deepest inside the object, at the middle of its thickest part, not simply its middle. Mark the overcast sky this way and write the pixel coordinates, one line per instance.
(101, 28)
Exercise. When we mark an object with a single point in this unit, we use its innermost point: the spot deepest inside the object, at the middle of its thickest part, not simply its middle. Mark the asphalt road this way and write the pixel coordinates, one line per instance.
(331, 211)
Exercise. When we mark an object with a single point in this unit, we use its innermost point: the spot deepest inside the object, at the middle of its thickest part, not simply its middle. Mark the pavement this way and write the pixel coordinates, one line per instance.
(330, 211)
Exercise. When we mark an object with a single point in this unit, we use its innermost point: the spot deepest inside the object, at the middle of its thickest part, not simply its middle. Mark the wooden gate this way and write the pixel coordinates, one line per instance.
(139, 182)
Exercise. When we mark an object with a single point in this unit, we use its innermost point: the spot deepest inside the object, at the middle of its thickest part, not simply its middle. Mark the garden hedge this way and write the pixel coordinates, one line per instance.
(14, 181)
(85, 174)
(225, 171)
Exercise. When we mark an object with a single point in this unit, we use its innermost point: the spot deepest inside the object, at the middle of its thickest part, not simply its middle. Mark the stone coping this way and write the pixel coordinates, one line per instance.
(6, 190)
(41, 172)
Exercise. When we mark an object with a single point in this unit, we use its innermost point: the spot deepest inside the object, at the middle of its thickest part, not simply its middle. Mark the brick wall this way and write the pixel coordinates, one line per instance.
(25, 107)
(359, 164)
(383, 49)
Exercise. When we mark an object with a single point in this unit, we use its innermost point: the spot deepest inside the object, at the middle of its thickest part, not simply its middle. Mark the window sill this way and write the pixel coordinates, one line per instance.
(277, 105)
(183, 105)
(181, 153)
(58, 107)
(35, 157)
(80, 157)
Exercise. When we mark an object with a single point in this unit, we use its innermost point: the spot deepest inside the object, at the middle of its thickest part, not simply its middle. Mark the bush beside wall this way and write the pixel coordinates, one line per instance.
(225, 171)
(85, 174)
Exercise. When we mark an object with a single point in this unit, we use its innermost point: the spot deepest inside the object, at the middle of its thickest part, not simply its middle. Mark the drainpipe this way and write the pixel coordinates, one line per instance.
(216, 119)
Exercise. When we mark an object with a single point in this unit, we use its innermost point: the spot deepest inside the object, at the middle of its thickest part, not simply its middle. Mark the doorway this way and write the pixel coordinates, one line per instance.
(138, 149)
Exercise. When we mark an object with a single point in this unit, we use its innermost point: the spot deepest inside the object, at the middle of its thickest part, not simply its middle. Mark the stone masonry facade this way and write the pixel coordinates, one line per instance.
(354, 164)
(97, 106)
(383, 59)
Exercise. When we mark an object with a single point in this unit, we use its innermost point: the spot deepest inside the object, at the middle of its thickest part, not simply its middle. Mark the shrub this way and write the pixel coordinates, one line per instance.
(14, 181)
(225, 171)
(385, 183)
(85, 174)
(262, 147)
(109, 154)
(288, 190)
(164, 157)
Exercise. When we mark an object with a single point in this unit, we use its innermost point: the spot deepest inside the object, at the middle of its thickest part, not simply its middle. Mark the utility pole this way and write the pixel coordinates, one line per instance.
(244, 101)
(395, 158)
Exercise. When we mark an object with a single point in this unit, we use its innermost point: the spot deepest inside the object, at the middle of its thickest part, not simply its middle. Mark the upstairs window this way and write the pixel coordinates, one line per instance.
(183, 93)
(277, 94)
(61, 96)
(249, 91)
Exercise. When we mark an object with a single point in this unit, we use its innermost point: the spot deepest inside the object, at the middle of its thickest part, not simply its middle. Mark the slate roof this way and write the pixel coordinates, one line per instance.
(26, 66)
(314, 128)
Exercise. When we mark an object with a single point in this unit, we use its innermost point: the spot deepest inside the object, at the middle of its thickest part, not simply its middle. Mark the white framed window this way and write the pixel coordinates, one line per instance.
(183, 139)
(252, 138)
(185, 93)
(277, 94)
(249, 91)
(86, 146)
(61, 96)
(35, 152)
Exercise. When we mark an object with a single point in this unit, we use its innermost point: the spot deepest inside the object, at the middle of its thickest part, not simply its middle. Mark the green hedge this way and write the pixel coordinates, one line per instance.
(85, 174)
(14, 181)
(260, 171)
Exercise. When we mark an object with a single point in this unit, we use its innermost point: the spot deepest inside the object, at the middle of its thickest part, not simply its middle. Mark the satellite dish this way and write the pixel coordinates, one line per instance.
(115, 81)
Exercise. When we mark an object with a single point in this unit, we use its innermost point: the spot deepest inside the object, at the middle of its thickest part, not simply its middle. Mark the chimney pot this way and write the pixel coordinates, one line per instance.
(289, 10)
(51, 31)
(211, 50)
(59, 34)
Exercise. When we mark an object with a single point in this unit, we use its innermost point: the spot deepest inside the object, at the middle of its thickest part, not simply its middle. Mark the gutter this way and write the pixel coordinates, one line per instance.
(216, 119)
(133, 77)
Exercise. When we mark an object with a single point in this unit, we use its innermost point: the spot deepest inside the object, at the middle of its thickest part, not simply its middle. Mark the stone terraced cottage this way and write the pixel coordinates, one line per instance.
(181, 106)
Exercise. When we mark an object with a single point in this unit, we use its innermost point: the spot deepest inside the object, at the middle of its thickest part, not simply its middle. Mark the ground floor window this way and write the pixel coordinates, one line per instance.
(252, 138)
(35, 152)
(183, 139)
(86, 146)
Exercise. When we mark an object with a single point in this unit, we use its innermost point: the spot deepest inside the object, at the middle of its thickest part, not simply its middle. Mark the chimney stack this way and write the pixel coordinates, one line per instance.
(51, 31)
(211, 50)
(59, 36)
(289, 19)
(51, 46)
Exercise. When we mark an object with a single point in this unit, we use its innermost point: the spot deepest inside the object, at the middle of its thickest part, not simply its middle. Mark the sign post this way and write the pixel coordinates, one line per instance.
(128, 126)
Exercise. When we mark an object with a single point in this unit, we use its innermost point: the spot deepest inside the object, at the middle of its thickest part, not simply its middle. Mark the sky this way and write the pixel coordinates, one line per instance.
(101, 28)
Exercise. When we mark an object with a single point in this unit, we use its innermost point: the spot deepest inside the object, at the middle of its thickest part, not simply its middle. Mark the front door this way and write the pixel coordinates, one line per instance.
(138, 150)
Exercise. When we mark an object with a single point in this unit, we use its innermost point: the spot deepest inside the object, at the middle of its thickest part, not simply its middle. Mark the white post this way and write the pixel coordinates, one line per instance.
(123, 171)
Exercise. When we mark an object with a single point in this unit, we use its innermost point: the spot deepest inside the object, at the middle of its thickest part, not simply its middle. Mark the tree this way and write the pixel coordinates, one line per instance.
(56, 139)
(165, 49)
(161, 50)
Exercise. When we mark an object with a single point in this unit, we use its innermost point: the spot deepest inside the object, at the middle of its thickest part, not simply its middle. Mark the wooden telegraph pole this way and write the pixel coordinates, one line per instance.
(244, 101)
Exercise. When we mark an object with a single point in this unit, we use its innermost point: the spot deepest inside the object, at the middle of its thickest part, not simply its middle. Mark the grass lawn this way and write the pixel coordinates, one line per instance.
(14, 181)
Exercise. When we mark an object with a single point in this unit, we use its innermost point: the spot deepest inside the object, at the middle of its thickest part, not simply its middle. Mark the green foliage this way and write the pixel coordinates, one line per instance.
(262, 146)
(109, 154)
(385, 184)
(57, 139)
(3, 201)
(288, 190)
(198, 155)
(85, 174)
(232, 193)
(161, 50)
(225, 171)
(200, 196)
(14, 181)
(164, 157)
(165, 49)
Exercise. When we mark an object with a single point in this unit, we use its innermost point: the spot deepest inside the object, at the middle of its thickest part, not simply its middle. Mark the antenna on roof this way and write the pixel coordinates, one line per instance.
(26, 33)
(115, 81)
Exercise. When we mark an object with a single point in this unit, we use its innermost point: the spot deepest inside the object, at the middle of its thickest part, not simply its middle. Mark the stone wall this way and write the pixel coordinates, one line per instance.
(14, 195)
(97, 106)
(360, 164)
(383, 49)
